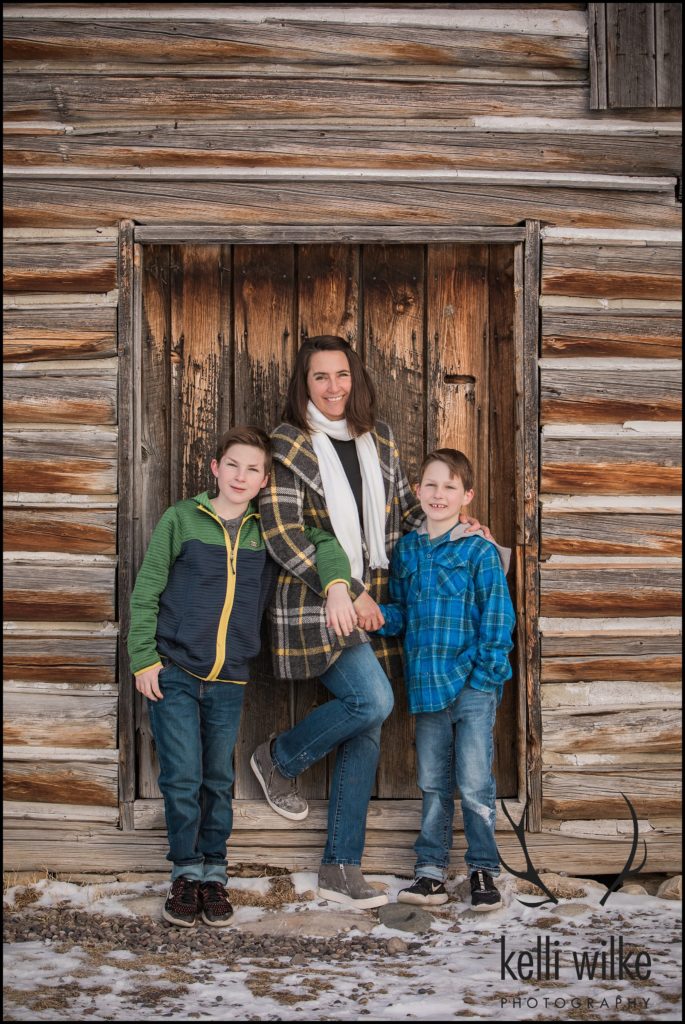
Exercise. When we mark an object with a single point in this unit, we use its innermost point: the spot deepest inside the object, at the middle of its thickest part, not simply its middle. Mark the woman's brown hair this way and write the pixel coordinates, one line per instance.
(360, 409)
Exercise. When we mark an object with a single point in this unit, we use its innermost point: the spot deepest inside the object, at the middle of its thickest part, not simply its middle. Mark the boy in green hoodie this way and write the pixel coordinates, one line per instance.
(196, 610)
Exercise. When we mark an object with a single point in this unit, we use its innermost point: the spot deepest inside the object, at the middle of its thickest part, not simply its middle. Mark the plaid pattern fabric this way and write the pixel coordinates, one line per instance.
(302, 644)
(452, 603)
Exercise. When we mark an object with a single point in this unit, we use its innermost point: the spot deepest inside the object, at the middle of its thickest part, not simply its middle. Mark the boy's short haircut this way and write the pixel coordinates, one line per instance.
(456, 462)
(254, 436)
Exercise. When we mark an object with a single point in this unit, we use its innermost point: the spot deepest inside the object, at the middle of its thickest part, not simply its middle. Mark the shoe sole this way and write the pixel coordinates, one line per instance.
(175, 921)
(339, 897)
(290, 815)
(216, 924)
(423, 901)
(484, 908)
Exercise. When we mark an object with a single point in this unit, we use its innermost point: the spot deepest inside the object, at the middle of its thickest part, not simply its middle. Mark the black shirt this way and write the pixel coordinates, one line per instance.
(347, 453)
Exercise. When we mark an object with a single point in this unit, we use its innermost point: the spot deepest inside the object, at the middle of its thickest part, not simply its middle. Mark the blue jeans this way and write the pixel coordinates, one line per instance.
(455, 747)
(195, 727)
(352, 722)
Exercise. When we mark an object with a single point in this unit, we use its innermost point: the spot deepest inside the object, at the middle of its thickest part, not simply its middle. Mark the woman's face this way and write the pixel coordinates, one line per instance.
(329, 383)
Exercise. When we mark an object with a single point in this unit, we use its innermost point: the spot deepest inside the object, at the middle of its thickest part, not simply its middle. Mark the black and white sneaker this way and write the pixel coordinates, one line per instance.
(424, 891)
(484, 893)
(182, 902)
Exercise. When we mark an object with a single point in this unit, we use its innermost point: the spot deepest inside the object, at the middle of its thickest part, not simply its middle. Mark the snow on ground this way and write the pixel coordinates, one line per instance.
(458, 972)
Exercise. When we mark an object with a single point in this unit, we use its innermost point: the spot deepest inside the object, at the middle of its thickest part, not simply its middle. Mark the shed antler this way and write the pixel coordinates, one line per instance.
(631, 856)
(531, 873)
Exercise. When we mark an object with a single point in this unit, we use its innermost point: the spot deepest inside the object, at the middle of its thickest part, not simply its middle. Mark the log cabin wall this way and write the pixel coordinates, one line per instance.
(365, 118)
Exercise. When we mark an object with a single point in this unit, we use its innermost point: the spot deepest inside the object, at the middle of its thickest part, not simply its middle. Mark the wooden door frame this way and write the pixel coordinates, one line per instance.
(526, 242)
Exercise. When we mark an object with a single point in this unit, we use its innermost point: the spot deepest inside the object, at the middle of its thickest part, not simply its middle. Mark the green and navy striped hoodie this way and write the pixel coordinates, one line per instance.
(198, 600)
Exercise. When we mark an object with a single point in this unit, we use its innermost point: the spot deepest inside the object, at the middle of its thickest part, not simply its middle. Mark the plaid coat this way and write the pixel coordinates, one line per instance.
(302, 644)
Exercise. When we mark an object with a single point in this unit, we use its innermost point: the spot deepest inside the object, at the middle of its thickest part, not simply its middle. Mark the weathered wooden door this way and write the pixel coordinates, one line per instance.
(220, 328)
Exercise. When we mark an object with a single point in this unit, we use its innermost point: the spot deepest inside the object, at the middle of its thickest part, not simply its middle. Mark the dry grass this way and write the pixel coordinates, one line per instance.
(281, 891)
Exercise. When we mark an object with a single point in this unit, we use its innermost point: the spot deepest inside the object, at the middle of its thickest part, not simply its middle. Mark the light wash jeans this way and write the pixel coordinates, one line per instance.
(455, 747)
(195, 727)
(352, 722)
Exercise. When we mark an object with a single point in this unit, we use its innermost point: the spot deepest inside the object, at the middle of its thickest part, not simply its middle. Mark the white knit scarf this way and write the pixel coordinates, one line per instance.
(340, 501)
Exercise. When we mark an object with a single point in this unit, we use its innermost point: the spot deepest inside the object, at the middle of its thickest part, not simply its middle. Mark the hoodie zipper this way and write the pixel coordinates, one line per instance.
(231, 559)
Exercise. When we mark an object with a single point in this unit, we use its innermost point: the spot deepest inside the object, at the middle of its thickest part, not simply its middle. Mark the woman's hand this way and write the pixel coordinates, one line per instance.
(147, 683)
(475, 525)
(340, 613)
(369, 615)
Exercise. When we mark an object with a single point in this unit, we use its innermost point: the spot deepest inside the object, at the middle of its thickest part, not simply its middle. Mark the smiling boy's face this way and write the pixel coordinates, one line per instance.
(442, 495)
(240, 474)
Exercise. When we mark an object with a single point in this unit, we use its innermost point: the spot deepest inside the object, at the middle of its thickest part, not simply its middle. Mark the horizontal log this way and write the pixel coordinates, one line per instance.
(383, 816)
(78, 531)
(649, 272)
(587, 795)
(18, 810)
(107, 849)
(568, 533)
(59, 267)
(599, 644)
(610, 478)
(605, 828)
(65, 659)
(85, 720)
(641, 668)
(100, 100)
(610, 395)
(598, 592)
(631, 464)
(41, 590)
(612, 284)
(54, 396)
(59, 333)
(215, 145)
(93, 204)
(604, 694)
(237, 48)
(591, 760)
(72, 461)
(611, 334)
(638, 731)
(65, 782)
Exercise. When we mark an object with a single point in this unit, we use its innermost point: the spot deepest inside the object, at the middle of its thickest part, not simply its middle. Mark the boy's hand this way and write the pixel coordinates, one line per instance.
(369, 615)
(147, 683)
(340, 613)
(475, 525)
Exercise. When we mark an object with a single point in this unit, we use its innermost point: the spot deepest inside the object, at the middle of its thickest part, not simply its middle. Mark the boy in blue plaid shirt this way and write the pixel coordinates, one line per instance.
(450, 600)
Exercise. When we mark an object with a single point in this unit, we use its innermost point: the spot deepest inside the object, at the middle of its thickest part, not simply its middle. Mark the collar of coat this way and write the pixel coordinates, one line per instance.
(295, 450)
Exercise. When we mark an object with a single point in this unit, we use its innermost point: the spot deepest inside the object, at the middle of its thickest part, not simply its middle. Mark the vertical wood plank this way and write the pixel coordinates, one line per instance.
(631, 58)
(598, 56)
(328, 291)
(521, 722)
(458, 358)
(501, 512)
(393, 287)
(668, 26)
(264, 345)
(265, 331)
(153, 489)
(125, 534)
(327, 302)
(531, 531)
(198, 322)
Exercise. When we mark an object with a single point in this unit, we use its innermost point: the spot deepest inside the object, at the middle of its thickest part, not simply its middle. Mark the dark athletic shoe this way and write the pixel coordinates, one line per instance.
(484, 893)
(424, 891)
(216, 910)
(182, 903)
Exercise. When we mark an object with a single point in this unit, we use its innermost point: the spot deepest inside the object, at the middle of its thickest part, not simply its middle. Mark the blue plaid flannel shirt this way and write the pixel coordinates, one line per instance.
(451, 602)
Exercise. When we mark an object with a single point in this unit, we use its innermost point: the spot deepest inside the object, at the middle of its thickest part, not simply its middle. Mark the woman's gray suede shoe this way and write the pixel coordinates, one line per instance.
(345, 883)
(281, 793)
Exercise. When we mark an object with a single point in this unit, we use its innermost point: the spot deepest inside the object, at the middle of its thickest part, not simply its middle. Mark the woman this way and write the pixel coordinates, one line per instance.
(337, 468)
